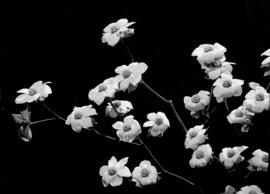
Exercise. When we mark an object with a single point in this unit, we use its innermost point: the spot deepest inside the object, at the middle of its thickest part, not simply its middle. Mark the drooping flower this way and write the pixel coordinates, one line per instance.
(201, 156)
(257, 100)
(197, 102)
(195, 136)
(229, 190)
(81, 118)
(144, 174)
(239, 115)
(252, 189)
(103, 90)
(225, 67)
(158, 123)
(121, 106)
(113, 173)
(226, 87)
(127, 130)
(259, 161)
(131, 74)
(231, 156)
(37, 91)
(113, 32)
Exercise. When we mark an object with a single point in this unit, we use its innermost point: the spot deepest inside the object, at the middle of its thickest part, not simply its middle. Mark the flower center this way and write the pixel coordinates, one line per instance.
(111, 171)
(159, 121)
(199, 154)
(208, 49)
(102, 88)
(116, 104)
(114, 29)
(252, 192)
(259, 97)
(265, 158)
(231, 153)
(78, 116)
(193, 134)
(126, 74)
(195, 98)
(145, 172)
(239, 114)
(126, 128)
(32, 92)
(227, 84)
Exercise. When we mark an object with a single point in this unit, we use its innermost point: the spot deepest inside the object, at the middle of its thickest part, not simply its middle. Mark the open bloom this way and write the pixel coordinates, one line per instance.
(259, 161)
(225, 67)
(226, 87)
(257, 99)
(201, 156)
(239, 115)
(197, 102)
(229, 190)
(37, 91)
(158, 123)
(231, 156)
(195, 136)
(127, 130)
(105, 89)
(121, 106)
(131, 74)
(252, 189)
(113, 32)
(80, 118)
(113, 172)
(144, 174)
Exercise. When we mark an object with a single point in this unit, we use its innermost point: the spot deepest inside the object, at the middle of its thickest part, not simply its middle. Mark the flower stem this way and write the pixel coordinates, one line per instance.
(54, 113)
(111, 103)
(128, 50)
(41, 121)
(153, 91)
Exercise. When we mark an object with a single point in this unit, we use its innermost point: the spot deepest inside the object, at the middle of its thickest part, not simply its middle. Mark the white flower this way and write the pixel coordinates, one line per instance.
(229, 190)
(231, 156)
(226, 87)
(195, 136)
(127, 130)
(37, 91)
(80, 118)
(259, 161)
(239, 115)
(197, 102)
(113, 32)
(113, 172)
(158, 123)
(214, 73)
(131, 74)
(201, 156)
(252, 189)
(144, 174)
(122, 107)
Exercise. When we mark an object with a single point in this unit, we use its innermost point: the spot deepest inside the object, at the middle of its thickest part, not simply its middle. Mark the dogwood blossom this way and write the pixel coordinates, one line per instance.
(195, 136)
(231, 156)
(239, 115)
(158, 123)
(197, 102)
(252, 189)
(144, 174)
(113, 172)
(80, 118)
(121, 106)
(229, 190)
(259, 161)
(201, 156)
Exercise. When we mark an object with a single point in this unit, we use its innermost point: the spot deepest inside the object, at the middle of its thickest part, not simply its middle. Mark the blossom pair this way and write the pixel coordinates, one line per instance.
(244, 190)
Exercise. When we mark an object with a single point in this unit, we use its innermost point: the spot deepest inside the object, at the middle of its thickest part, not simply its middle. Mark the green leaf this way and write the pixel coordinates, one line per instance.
(18, 118)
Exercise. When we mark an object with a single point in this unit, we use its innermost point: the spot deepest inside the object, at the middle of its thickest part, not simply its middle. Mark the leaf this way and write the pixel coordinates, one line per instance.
(26, 114)
(18, 118)
(131, 88)
(25, 133)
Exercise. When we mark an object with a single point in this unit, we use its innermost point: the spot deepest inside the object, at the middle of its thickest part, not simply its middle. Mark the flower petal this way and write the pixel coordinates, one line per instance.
(124, 171)
(118, 125)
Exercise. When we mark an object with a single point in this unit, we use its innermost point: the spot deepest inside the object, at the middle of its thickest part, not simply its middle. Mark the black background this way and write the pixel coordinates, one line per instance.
(62, 44)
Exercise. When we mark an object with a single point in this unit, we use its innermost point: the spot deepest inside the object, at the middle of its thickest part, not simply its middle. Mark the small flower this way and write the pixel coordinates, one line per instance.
(113, 172)
(231, 156)
(226, 87)
(259, 161)
(113, 32)
(229, 190)
(80, 118)
(201, 156)
(257, 99)
(197, 102)
(252, 189)
(127, 130)
(239, 115)
(158, 123)
(105, 89)
(195, 136)
(144, 174)
(37, 91)
(131, 74)
(122, 107)
(214, 73)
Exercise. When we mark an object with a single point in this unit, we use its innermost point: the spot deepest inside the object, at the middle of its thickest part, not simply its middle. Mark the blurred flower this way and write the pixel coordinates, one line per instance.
(201, 156)
(127, 130)
(113, 172)
(239, 115)
(113, 32)
(158, 123)
(145, 174)
(226, 87)
(80, 118)
(214, 73)
(197, 102)
(231, 156)
(252, 189)
(259, 161)
(25, 133)
(229, 190)
(131, 74)
(122, 107)
(37, 91)
(257, 99)
(195, 136)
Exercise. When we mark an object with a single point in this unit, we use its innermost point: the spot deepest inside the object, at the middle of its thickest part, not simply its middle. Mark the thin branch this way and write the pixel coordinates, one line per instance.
(41, 121)
(128, 50)
(154, 92)
(54, 113)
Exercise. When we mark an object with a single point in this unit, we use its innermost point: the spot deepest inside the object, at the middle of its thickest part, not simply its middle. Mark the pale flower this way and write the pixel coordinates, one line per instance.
(113, 32)
(131, 74)
(259, 161)
(195, 136)
(239, 115)
(121, 106)
(144, 174)
(37, 91)
(158, 123)
(214, 73)
(113, 172)
(80, 118)
(252, 189)
(201, 156)
(197, 102)
(231, 156)
(229, 190)
(127, 130)
(226, 87)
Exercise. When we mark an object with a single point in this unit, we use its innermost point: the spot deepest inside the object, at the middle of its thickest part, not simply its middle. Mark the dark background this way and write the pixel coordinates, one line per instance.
(62, 44)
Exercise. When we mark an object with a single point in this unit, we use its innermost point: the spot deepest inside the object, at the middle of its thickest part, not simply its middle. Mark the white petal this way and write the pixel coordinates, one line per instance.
(118, 125)
(23, 91)
(124, 171)
(148, 124)
(151, 116)
(112, 162)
